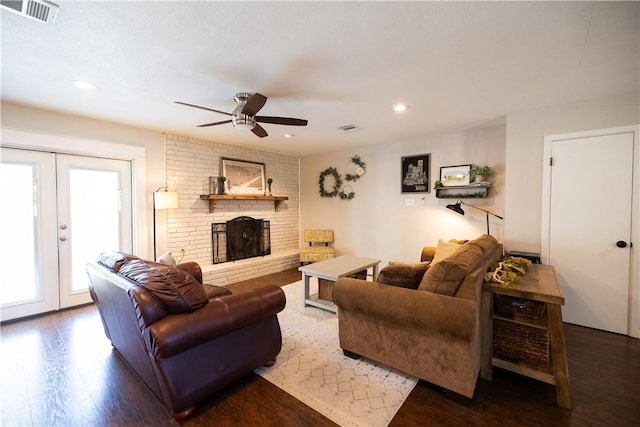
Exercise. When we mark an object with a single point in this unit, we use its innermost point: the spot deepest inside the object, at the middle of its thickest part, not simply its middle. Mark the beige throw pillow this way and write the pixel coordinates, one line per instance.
(444, 249)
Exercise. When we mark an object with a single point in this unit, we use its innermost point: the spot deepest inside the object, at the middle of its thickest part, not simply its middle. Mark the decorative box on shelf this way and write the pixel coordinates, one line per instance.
(212, 198)
(471, 191)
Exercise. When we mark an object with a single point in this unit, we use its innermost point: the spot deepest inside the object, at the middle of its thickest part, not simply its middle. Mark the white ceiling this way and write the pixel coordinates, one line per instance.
(456, 64)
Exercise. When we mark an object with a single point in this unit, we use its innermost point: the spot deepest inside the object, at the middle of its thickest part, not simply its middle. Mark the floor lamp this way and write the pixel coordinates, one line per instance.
(162, 200)
(458, 209)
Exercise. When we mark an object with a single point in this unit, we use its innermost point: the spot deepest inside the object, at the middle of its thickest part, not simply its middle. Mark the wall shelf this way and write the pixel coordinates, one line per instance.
(213, 198)
(477, 191)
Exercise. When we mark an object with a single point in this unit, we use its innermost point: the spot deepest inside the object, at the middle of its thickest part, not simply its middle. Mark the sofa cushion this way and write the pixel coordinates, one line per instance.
(177, 290)
(487, 243)
(444, 249)
(446, 276)
(403, 274)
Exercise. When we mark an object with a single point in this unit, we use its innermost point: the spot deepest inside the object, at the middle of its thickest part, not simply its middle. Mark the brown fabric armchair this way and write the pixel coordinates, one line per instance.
(183, 339)
(429, 334)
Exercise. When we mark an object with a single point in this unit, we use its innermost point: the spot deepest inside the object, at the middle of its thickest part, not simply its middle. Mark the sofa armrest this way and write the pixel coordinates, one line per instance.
(419, 309)
(180, 332)
(428, 252)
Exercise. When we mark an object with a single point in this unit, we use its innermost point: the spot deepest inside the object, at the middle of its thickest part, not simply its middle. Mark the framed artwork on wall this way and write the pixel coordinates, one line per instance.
(455, 175)
(244, 177)
(415, 173)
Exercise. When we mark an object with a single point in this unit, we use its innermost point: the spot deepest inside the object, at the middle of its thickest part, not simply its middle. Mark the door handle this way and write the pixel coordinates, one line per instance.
(621, 244)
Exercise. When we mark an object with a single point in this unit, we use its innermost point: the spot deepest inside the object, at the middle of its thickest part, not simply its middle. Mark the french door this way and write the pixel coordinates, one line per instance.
(60, 212)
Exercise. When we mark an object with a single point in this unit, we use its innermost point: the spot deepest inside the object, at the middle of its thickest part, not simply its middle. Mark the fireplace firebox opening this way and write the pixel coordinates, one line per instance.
(240, 238)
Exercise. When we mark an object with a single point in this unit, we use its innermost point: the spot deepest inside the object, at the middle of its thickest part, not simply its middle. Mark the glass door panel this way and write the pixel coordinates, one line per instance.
(95, 218)
(28, 255)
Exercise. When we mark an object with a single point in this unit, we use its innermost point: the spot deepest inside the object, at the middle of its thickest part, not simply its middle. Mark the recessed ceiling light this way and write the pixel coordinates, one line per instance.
(399, 108)
(81, 84)
(289, 135)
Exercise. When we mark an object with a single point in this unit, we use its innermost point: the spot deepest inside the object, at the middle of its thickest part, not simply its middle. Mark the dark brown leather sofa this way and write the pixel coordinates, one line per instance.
(185, 340)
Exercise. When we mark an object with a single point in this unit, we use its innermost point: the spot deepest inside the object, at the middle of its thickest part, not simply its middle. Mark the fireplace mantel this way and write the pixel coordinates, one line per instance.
(212, 198)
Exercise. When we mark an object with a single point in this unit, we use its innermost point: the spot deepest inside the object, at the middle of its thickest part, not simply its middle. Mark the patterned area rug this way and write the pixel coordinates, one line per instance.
(312, 368)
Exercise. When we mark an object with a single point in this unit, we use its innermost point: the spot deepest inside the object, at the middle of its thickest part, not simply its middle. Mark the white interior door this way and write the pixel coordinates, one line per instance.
(94, 216)
(28, 253)
(58, 213)
(590, 217)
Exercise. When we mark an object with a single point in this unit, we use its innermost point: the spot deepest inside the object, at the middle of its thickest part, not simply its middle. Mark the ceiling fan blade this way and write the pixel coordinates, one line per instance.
(282, 121)
(254, 104)
(259, 131)
(203, 108)
(214, 123)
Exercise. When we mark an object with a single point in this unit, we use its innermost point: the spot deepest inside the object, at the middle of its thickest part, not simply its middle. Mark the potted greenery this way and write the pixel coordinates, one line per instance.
(222, 189)
(480, 173)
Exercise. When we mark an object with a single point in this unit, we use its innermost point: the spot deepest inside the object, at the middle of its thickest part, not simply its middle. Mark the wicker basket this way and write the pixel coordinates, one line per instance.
(325, 287)
(511, 306)
(520, 342)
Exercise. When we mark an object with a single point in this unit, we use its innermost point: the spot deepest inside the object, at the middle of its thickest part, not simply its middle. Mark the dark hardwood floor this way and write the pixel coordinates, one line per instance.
(59, 370)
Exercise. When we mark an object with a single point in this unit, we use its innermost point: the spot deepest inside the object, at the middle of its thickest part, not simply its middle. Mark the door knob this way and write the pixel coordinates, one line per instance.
(63, 238)
(621, 244)
(63, 226)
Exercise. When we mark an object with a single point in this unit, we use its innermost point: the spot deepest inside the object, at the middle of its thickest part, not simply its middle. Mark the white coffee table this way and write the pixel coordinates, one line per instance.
(331, 270)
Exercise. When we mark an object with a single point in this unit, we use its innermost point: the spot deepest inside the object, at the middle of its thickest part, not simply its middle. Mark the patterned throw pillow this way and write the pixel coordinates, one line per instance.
(403, 274)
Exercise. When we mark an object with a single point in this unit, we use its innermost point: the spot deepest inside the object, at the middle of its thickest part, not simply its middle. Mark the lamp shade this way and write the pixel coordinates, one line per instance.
(165, 200)
(456, 208)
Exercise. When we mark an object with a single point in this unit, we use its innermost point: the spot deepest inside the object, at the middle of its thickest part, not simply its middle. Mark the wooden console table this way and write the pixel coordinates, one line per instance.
(539, 286)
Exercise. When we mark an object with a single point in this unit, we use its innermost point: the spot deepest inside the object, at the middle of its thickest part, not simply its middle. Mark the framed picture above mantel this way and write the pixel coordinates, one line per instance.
(415, 173)
(244, 177)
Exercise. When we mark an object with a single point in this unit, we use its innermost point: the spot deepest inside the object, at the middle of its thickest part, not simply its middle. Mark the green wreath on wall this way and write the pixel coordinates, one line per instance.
(337, 182)
(361, 168)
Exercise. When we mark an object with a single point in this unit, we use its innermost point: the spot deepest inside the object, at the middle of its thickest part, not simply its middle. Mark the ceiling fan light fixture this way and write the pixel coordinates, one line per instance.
(243, 122)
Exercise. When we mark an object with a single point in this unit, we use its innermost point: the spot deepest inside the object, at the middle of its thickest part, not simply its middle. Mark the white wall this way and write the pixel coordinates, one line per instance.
(376, 223)
(524, 149)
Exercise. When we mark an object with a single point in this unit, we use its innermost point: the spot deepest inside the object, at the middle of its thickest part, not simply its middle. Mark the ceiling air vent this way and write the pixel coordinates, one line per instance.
(40, 10)
(349, 128)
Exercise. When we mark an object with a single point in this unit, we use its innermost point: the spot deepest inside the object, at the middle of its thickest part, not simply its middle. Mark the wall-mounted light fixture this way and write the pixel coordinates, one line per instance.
(162, 200)
(458, 209)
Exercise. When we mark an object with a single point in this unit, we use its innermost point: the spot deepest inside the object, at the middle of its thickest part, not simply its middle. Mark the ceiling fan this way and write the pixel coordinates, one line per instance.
(244, 115)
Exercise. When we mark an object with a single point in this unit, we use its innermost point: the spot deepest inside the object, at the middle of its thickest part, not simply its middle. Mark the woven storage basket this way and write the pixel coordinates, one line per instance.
(521, 342)
(325, 287)
(518, 306)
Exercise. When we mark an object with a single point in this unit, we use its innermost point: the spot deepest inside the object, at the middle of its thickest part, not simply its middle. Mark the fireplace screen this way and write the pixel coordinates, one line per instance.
(240, 238)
